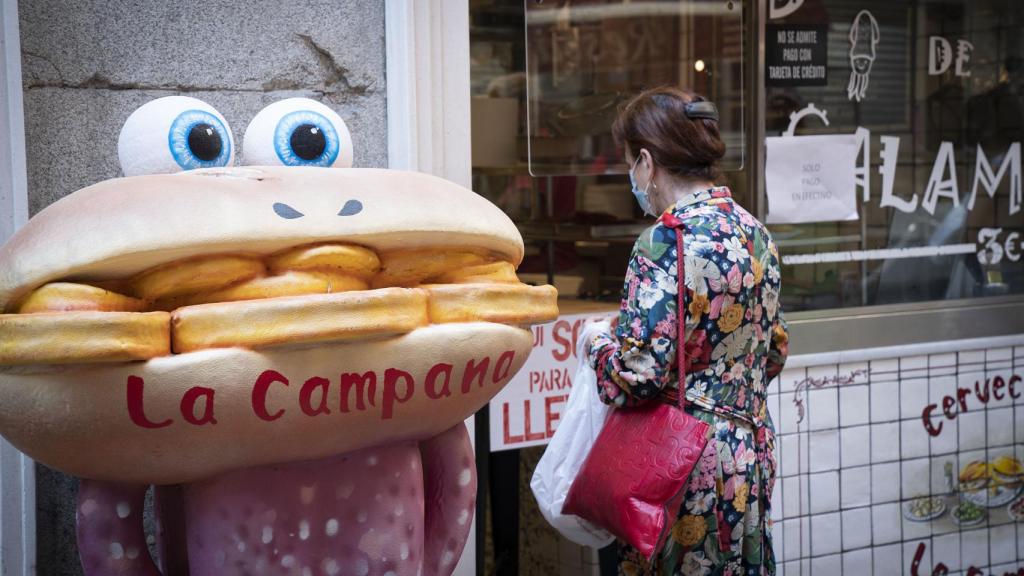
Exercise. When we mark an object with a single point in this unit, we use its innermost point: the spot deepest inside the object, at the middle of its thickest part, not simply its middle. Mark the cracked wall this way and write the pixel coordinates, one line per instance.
(87, 65)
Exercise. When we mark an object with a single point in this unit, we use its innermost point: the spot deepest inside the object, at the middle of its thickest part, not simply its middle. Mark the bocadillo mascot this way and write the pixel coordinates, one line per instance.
(286, 349)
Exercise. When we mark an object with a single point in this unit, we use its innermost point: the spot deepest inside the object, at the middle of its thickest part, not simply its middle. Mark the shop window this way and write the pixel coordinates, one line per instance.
(930, 95)
(548, 78)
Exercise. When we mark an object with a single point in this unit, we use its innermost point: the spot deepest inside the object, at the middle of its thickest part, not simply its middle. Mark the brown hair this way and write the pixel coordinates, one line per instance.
(656, 120)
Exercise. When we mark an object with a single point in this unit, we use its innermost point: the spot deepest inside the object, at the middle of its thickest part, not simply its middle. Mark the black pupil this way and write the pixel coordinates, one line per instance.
(204, 142)
(308, 142)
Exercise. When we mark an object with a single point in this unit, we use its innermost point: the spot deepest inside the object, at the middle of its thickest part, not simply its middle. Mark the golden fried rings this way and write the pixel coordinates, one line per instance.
(122, 336)
(194, 276)
(411, 267)
(68, 337)
(504, 303)
(67, 297)
(255, 323)
(287, 284)
(340, 258)
(493, 272)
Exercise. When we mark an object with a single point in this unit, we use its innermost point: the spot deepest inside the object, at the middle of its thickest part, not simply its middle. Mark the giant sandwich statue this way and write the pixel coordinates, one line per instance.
(285, 349)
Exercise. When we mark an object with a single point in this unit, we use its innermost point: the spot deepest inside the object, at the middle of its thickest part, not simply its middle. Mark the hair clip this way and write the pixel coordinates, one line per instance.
(703, 109)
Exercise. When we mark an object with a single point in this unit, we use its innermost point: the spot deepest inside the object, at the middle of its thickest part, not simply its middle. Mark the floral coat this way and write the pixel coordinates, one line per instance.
(736, 341)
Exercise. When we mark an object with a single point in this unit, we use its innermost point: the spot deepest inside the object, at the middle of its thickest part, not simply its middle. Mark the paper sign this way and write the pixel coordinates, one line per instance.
(526, 412)
(811, 178)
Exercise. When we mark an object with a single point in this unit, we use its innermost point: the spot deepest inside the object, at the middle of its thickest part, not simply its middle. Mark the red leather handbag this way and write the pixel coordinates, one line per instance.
(634, 479)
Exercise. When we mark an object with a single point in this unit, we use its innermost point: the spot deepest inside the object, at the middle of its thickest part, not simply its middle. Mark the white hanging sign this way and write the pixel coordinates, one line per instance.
(811, 178)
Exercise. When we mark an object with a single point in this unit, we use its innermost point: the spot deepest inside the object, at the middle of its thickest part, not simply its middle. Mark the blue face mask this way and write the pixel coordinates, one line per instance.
(642, 197)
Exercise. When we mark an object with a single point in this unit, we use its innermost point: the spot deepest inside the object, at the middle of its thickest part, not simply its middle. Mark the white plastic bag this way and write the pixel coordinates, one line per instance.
(580, 424)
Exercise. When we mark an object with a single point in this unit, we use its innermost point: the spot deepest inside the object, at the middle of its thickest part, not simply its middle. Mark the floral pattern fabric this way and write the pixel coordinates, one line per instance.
(735, 342)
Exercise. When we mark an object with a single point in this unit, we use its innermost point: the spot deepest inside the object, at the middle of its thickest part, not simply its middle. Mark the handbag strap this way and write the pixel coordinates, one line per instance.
(681, 312)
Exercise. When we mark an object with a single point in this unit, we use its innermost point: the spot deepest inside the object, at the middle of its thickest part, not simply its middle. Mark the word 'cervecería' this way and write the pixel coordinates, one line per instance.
(993, 389)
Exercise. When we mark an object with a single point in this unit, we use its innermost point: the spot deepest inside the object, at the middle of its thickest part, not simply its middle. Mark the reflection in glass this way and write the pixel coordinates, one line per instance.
(586, 57)
(942, 115)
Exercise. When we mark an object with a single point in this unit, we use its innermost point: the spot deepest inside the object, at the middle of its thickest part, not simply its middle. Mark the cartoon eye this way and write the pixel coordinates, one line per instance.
(297, 132)
(172, 134)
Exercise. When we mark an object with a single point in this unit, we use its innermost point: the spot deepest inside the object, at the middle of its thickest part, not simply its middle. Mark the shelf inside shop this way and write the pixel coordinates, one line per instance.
(569, 232)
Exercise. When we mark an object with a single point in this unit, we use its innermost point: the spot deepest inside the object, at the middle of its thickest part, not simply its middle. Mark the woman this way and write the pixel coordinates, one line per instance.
(735, 335)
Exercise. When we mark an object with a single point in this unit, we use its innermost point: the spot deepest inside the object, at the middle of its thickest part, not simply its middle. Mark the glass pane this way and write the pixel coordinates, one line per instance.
(934, 94)
(586, 57)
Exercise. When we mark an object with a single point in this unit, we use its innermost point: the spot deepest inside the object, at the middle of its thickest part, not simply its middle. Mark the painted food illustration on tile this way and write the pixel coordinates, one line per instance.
(991, 484)
(287, 349)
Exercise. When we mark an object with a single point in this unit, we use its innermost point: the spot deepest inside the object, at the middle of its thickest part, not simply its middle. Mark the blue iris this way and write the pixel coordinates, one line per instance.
(198, 139)
(306, 138)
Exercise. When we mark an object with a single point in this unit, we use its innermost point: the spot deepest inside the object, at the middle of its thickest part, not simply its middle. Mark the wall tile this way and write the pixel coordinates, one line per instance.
(827, 564)
(913, 363)
(856, 528)
(997, 354)
(910, 550)
(789, 416)
(887, 560)
(915, 478)
(798, 538)
(824, 450)
(913, 397)
(794, 454)
(914, 439)
(885, 523)
(972, 430)
(940, 362)
(885, 442)
(974, 548)
(855, 444)
(857, 562)
(860, 372)
(884, 402)
(826, 536)
(795, 497)
(855, 486)
(884, 367)
(798, 568)
(789, 378)
(1018, 422)
(968, 357)
(854, 408)
(823, 408)
(1000, 426)
(940, 387)
(948, 440)
(1004, 543)
(946, 549)
(824, 492)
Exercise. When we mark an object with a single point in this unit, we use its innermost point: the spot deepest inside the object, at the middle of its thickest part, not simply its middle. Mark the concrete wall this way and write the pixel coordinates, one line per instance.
(88, 64)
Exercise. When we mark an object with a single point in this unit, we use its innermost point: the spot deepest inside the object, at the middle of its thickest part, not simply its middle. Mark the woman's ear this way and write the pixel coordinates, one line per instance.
(648, 161)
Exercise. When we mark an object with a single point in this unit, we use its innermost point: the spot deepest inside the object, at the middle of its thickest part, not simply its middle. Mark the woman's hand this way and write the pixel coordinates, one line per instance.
(590, 329)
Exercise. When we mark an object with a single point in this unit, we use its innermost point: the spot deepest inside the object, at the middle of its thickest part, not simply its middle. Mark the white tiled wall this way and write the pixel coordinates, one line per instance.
(860, 450)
